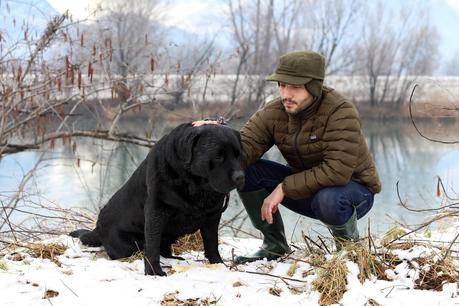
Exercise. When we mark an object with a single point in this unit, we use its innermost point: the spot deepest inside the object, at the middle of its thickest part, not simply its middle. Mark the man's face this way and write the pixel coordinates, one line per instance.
(295, 98)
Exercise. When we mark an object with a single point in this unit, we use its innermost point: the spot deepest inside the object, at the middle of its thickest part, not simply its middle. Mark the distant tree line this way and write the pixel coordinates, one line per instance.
(140, 61)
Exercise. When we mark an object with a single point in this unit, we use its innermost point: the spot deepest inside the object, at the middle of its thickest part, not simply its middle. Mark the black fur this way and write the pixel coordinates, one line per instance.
(179, 188)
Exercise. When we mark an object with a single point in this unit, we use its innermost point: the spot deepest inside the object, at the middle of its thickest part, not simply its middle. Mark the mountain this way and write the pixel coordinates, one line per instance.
(16, 16)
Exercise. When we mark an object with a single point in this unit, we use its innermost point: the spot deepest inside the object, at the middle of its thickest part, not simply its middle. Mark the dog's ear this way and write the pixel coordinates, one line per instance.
(186, 146)
(238, 135)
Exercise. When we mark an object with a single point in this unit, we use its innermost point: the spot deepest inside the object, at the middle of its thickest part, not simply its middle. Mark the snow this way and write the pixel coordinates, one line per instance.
(87, 277)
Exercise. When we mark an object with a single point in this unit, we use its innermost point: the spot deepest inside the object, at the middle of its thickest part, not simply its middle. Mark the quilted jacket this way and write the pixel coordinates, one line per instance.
(323, 144)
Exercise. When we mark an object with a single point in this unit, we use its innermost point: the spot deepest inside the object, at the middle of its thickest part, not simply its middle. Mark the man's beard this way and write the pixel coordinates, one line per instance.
(293, 103)
(299, 108)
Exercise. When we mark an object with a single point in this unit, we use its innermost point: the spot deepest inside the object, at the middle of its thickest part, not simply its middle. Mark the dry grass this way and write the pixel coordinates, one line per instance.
(393, 233)
(46, 251)
(276, 291)
(192, 242)
(3, 266)
(433, 273)
(136, 256)
(317, 260)
(170, 299)
(369, 264)
(401, 245)
(331, 281)
(292, 269)
(372, 302)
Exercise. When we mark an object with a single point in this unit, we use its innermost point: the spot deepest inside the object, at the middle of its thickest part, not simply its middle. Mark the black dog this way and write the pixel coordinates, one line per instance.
(179, 188)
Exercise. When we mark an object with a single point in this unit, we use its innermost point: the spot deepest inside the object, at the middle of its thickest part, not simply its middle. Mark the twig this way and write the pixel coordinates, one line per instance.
(315, 243)
(416, 127)
(392, 288)
(69, 288)
(276, 276)
(448, 250)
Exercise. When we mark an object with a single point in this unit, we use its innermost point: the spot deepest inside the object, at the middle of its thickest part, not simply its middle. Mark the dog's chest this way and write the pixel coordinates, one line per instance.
(202, 207)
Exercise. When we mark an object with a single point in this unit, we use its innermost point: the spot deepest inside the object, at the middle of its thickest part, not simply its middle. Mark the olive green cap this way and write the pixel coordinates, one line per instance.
(299, 67)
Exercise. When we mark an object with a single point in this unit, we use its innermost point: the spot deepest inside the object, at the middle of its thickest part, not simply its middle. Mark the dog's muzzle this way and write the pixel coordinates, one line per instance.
(238, 179)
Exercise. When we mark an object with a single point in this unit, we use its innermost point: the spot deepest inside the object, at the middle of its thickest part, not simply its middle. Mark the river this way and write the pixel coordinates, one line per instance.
(401, 155)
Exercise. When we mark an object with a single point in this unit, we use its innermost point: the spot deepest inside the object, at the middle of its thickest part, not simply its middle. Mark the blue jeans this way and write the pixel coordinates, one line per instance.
(332, 205)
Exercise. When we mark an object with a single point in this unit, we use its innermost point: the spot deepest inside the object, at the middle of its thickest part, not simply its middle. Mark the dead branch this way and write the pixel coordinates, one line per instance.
(415, 125)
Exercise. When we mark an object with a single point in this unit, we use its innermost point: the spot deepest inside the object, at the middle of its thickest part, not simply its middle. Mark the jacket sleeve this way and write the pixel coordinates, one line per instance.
(341, 139)
(256, 138)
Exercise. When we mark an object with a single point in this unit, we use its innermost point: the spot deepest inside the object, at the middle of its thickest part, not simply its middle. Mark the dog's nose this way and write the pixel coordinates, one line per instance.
(238, 179)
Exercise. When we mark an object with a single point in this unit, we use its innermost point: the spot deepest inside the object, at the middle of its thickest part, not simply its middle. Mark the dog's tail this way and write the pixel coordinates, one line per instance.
(87, 237)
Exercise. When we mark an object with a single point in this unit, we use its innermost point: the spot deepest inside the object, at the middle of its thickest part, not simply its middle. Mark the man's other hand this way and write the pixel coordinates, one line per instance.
(271, 203)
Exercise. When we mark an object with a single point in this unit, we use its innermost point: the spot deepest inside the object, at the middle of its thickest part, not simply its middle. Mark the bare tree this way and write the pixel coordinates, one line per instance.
(328, 27)
(252, 26)
(264, 30)
(131, 29)
(452, 65)
(393, 46)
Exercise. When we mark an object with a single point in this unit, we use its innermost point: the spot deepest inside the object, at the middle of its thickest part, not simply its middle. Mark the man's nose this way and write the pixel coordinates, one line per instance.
(285, 92)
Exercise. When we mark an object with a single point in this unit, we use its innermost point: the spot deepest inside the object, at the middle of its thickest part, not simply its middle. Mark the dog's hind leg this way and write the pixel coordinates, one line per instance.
(121, 244)
(87, 237)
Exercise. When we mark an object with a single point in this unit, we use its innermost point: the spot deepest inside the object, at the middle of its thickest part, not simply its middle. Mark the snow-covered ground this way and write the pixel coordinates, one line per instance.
(84, 276)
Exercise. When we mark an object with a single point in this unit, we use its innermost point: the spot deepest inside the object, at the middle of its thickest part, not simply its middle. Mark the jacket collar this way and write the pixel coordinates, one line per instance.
(308, 111)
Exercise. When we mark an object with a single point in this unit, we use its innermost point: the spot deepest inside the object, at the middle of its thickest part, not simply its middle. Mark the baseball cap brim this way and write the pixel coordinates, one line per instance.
(289, 79)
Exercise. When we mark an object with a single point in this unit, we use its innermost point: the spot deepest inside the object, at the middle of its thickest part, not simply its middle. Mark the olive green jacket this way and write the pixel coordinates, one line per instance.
(323, 144)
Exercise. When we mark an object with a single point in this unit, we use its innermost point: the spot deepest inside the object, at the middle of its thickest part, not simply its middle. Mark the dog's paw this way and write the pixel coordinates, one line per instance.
(153, 268)
(215, 259)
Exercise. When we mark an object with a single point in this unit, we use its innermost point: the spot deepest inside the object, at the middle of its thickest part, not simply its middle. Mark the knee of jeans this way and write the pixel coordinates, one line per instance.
(330, 207)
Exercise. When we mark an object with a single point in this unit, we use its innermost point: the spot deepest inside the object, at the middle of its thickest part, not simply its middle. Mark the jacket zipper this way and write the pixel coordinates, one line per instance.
(297, 150)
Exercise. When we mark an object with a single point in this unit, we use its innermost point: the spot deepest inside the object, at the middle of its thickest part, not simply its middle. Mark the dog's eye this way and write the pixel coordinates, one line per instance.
(219, 158)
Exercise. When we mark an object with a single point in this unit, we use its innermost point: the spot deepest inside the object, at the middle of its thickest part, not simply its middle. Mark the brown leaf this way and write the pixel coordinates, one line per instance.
(79, 78)
(50, 294)
(438, 187)
(67, 67)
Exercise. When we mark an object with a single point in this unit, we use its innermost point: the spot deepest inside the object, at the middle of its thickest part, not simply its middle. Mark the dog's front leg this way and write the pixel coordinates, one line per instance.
(155, 221)
(209, 233)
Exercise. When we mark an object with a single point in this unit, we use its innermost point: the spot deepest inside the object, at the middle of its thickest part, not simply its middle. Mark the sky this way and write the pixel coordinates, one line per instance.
(197, 16)
(201, 16)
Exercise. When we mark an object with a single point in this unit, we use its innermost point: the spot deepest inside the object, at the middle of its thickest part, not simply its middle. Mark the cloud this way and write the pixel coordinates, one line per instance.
(194, 16)
(453, 3)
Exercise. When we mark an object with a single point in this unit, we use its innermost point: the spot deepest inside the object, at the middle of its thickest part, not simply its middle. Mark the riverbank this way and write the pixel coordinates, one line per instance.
(411, 271)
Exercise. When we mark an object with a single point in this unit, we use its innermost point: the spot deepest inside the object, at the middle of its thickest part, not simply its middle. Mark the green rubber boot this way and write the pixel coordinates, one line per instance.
(274, 242)
(346, 232)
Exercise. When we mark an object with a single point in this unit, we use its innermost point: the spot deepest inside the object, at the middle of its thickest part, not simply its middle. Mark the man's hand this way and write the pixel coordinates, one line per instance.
(204, 122)
(271, 203)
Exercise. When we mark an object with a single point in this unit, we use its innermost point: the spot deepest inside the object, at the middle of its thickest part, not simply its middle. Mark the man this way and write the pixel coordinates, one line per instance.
(330, 175)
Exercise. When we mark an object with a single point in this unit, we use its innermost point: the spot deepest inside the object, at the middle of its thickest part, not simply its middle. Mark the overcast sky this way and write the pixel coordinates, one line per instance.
(204, 17)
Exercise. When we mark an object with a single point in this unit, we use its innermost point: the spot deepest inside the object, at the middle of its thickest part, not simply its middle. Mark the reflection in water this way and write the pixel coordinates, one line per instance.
(400, 154)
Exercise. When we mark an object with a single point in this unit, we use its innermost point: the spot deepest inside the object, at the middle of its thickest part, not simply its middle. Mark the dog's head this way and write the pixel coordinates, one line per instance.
(214, 153)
